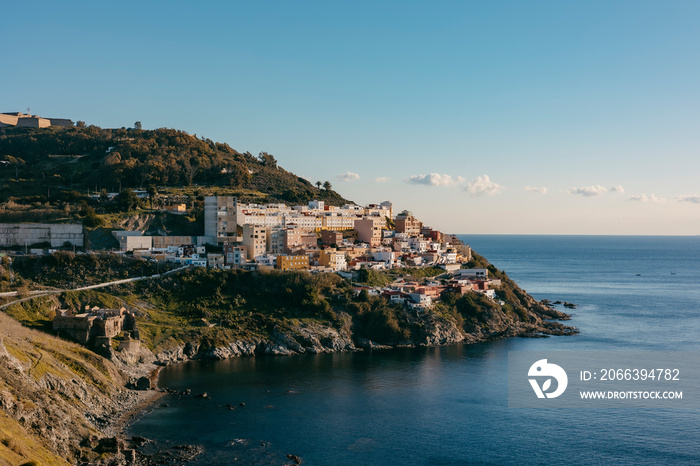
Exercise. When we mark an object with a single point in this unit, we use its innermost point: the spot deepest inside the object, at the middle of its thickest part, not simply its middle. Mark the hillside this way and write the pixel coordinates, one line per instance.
(59, 402)
(45, 170)
(210, 308)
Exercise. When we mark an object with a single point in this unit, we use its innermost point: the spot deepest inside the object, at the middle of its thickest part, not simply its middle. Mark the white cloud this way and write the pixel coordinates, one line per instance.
(617, 189)
(382, 179)
(348, 176)
(540, 190)
(589, 191)
(483, 185)
(435, 179)
(646, 198)
(694, 198)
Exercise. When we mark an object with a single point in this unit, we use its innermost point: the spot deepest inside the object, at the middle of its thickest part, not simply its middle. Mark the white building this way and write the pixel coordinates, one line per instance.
(223, 214)
(472, 273)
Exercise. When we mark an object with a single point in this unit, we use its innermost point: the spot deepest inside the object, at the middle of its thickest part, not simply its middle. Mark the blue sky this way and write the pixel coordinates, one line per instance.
(480, 117)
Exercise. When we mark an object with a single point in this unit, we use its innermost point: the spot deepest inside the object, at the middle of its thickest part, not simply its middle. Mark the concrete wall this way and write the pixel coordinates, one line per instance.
(129, 243)
(33, 122)
(210, 206)
(65, 122)
(8, 120)
(160, 242)
(19, 234)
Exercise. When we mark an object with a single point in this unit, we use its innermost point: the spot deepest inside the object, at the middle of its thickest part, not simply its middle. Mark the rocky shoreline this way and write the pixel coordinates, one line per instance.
(313, 339)
(322, 339)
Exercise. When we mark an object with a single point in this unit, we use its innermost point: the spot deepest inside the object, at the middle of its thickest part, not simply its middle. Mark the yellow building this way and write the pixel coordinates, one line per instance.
(329, 258)
(300, 262)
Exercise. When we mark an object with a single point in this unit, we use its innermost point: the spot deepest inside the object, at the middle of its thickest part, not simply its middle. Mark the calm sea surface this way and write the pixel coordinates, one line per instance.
(448, 406)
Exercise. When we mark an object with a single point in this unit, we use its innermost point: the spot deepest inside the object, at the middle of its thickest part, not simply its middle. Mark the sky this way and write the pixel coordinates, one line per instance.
(498, 117)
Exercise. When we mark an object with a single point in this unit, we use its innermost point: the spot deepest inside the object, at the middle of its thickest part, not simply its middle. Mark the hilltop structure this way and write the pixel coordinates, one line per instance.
(22, 120)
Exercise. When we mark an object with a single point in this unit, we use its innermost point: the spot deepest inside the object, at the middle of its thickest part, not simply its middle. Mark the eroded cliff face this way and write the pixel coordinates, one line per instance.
(57, 399)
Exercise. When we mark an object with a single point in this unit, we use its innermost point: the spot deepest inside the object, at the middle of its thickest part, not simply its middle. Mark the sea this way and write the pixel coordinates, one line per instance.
(449, 405)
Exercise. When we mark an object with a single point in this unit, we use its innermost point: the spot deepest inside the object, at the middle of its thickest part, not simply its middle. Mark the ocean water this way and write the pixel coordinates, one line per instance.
(449, 405)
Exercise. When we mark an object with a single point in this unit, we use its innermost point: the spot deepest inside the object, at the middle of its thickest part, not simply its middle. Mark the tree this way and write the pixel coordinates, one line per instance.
(151, 193)
(5, 261)
(267, 159)
(239, 175)
(327, 186)
(137, 125)
(80, 124)
(191, 171)
(318, 184)
(127, 200)
(91, 219)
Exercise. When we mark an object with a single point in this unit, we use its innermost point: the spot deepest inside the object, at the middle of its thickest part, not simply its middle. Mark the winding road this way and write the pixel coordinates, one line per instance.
(35, 294)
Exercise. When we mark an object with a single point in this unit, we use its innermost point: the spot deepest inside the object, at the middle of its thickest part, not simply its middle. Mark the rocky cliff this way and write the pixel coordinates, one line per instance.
(59, 402)
(425, 330)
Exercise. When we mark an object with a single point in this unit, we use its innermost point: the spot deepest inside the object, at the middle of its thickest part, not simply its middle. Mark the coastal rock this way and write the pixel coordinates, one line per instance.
(435, 331)
(368, 344)
(143, 383)
(316, 338)
(271, 348)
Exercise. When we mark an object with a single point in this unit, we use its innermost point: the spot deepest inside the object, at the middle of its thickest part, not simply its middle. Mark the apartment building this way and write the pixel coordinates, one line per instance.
(407, 223)
(235, 256)
(298, 262)
(330, 237)
(275, 240)
(369, 230)
(222, 215)
(254, 240)
(220, 218)
(332, 259)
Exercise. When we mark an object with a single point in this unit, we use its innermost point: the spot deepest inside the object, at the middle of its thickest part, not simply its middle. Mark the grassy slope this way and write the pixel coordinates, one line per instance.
(48, 387)
(17, 446)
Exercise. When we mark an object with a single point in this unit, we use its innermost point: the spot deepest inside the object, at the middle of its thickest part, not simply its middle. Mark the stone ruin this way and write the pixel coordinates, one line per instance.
(96, 327)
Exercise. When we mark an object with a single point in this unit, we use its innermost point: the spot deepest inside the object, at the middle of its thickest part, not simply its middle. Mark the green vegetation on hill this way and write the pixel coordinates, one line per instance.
(64, 269)
(51, 168)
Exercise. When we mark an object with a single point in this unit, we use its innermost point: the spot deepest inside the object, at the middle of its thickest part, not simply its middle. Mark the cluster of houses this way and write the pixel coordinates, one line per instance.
(320, 238)
(314, 237)
(421, 295)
